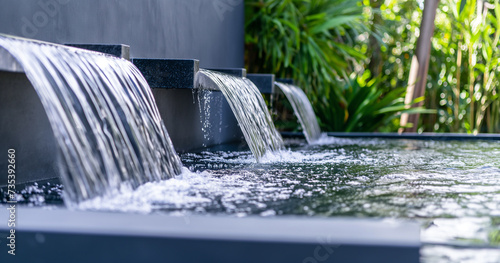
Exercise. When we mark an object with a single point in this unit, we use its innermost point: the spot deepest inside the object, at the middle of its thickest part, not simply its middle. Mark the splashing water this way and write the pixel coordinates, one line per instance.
(452, 188)
(303, 110)
(249, 108)
(209, 103)
(104, 118)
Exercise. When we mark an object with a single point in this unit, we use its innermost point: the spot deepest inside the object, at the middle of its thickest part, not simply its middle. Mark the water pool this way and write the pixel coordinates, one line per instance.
(452, 188)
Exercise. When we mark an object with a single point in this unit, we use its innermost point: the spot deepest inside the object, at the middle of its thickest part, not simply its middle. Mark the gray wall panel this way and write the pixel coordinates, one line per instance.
(208, 30)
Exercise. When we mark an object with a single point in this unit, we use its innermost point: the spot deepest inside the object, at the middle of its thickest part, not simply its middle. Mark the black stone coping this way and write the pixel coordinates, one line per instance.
(237, 72)
(409, 136)
(265, 82)
(117, 50)
(168, 73)
(286, 81)
(61, 235)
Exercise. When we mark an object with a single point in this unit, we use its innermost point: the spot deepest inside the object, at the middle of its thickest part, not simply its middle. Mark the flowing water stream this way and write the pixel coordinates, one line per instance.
(103, 115)
(249, 108)
(303, 110)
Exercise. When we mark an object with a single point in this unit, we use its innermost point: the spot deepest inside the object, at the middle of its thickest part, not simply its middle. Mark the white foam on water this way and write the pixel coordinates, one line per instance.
(177, 192)
(188, 191)
(289, 156)
(454, 195)
(282, 156)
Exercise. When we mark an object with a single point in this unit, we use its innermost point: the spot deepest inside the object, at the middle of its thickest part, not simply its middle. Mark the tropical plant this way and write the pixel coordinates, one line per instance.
(395, 33)
(463, 75)
(311, 41)
(363, 106)
(322, 45)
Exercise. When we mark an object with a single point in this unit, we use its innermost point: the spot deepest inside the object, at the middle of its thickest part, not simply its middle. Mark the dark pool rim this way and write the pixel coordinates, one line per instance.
(62, 235)
(407, 136)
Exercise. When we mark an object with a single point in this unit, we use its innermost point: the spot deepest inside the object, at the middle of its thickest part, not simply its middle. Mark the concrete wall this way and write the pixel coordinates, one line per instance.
(208, 30)
(24, 127)
(191, 129)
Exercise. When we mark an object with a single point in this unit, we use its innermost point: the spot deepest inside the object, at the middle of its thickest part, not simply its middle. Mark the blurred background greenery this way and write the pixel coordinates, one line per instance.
(352, 58)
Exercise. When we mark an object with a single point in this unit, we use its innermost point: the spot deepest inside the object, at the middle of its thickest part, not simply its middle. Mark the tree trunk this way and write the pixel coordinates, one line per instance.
(420, 64)
(375, 65)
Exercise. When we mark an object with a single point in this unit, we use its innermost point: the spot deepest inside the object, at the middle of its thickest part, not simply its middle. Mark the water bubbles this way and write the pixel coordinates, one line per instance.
(205, 102)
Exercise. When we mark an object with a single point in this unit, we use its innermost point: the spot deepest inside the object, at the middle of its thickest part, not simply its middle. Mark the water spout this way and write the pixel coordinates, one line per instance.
(303, 110)
(249, 108)
(103, 115)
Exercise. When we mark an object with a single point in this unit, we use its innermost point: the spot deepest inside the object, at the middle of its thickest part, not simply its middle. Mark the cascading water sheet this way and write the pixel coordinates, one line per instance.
(249, 108)
(303, 110)
(103, 115)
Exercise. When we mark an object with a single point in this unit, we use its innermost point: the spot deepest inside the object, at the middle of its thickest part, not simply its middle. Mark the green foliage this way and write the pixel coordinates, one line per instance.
(462, 82)
(322, 44)
(360, 105)
(400, 21)
(463, 75)
(494, 237)
(283, 115)
(311, 41)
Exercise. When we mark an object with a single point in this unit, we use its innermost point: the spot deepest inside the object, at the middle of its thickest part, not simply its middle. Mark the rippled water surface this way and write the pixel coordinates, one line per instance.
(365, 178)
(452, 188)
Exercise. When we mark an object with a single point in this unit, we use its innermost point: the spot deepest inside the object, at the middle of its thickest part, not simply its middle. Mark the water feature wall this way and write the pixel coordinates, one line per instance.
(249, 108)
(117, 50)
(211, 31)
(303, 110)
(265, 82)
(195, 118)
(25, 126)
(106, 126)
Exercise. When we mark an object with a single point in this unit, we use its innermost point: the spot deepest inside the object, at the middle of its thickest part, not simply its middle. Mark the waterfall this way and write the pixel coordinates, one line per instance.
(303, 110)
(103, 115)
(248, 106)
